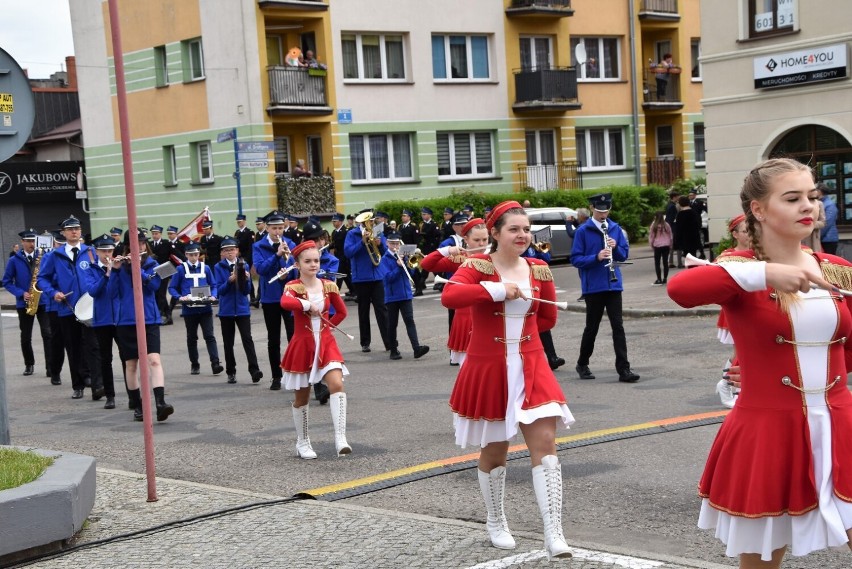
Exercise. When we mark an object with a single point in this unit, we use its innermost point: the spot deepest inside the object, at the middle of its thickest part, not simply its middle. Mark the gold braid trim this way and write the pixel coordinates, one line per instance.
(732, 258)
(329, 287)
(541, 272)
(838, 275)
(458, 259)
(484, 266)
(298, 288)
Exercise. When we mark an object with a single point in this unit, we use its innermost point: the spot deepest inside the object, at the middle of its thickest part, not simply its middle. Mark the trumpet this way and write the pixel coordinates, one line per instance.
(415, 259)
(541, 247)
(371, 242)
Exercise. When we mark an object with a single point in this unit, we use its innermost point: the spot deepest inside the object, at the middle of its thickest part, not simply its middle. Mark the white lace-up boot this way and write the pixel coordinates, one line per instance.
(547, 482)
(338, 418)
(303, 443)
(493, 485)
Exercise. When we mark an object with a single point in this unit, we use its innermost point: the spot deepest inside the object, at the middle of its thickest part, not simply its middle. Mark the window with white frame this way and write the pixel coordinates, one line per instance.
(161, 68)
(696, 58)
(193, 64)
(460, 58)
(771, 17)
(202, 163)
(465, 155)
(698, 141)
(536, 53)
(282, 154)
(169, 166)
(665, 140)
(381, 157)
(603, 59)
(600, 148)
(373, 57)
(541, 147)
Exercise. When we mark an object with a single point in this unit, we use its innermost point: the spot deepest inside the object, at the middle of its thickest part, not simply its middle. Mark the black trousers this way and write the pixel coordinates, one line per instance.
(192, 322)
(547, 344)
(273, 314)
(105, 336)
(92, 356)
(596, 303)
(25, 323)
(162, 301)
(406, 308)
(345, 267)
(57, 347)
(229, 326)
(661, 266)
(72, 339)
(372, 292)
(420, 277)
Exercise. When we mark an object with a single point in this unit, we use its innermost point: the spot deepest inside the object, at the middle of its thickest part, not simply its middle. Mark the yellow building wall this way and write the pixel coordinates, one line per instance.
(153, 22)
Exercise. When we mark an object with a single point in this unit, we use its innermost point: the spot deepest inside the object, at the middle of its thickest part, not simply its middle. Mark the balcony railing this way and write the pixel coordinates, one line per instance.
(662, 95)
(297, 90)
(547, 8)
(542, 177)
(659, 10)
(553, 88)
(309, 5)
(665, 171)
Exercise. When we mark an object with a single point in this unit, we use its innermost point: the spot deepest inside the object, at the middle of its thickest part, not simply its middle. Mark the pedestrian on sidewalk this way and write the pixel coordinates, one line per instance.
(312, 354)
(779, 474)
(505, 383)
(660, 237)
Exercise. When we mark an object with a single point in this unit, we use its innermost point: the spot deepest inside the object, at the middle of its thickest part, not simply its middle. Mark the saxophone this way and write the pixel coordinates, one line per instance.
(35, 293)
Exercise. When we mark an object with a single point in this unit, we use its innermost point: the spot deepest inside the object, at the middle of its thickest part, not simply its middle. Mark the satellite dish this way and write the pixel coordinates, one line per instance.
(580, 53)
(17, 107)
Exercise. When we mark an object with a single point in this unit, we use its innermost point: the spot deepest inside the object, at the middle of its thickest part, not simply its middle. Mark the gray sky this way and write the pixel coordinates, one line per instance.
(37, 34)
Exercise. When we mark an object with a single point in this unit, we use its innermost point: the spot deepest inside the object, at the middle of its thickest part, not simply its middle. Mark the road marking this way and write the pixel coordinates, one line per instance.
(609, 558)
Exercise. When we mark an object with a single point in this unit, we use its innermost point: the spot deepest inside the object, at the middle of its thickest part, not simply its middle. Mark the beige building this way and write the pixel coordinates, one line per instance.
(776, 83)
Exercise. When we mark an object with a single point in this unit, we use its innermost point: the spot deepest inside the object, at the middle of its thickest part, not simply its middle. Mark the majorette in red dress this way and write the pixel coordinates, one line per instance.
(780, 469)
(505, 379)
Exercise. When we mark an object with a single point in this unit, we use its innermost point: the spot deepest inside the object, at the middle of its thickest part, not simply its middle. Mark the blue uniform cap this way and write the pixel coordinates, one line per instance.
(601, 202)
(259, 220)
(241, 216)
(141, 234)
(104, 242)
(206, 224)
(468, 207)
(393, 237)
(192, 247)
(274, 217)
(337, 217)
(312, 230)
(156, 228)
(426, 210)
(70, 223)
(406, 212)
(460, 219)
(58, 237)
(172, 229)
(449, 210)
(115, 231)
(28, 234)
(229, 242)
(381, 214)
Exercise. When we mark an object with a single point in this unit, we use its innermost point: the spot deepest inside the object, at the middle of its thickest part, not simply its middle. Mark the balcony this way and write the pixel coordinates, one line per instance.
(304, 5)
(297, 91)
(540, 8)
(659, 11)
(664, 171)
(655, 99)
(542, 177)
(546, 89)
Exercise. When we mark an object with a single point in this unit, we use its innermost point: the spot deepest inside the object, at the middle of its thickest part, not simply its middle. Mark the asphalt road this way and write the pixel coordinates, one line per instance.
(637, 494)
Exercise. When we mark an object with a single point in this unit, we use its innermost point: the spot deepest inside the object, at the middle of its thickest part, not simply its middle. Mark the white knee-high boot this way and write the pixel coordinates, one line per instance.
(338, 418)
(547, 481)
(493, 486)
(303, 443)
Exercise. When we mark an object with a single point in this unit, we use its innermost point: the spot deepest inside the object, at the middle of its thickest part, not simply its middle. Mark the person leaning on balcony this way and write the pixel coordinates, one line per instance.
(662, 76)
(310, 61)
(300, 171)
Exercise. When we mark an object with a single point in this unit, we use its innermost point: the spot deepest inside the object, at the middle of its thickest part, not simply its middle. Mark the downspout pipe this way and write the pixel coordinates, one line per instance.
(637, 156)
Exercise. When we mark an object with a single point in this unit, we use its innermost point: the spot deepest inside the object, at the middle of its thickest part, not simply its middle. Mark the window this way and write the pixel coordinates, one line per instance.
(161, 67)
(698, 140)
(770, 17)
(169, 166)
(600, 148)
(665, 140)
(282, 154)
(202, 163)
(602, 58)
(457, 58)
(696, 59)
(381, 157)
(465, 154)
(193, 60)
(373, 57)
(274, 53)
(536, 54)
(541, 147)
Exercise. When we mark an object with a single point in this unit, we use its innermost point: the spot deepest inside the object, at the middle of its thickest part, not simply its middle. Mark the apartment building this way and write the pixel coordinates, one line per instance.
(778, 84)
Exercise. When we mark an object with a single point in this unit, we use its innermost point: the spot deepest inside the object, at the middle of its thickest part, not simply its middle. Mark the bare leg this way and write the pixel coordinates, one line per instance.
(540, 437)
(155, 371)
(303, 396)
(130, 374)
(752, 560)
(334, 380)
(849, 535)
(493, 455)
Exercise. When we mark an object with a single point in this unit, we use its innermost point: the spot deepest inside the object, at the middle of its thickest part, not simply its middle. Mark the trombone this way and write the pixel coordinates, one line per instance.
(415, 259)
(371, 242)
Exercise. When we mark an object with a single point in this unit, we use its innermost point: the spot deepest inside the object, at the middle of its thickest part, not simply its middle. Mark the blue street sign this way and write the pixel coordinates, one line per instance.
(260, 146)
(344, 116)
(227, 135)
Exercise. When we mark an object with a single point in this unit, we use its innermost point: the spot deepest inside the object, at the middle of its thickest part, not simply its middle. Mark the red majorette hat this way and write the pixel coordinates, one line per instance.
(736, 221)
(471, 224)
(302, 246)
(498, 211)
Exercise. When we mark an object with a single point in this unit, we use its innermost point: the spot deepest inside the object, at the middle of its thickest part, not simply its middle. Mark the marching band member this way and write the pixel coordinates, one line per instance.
(313, 355)
(177, 250)
(398, 283)
(505, 384)
(116, 234)
(162, 251)
(210, 243)
(104, 309)
(194, 273)
(57, 345)
(338, 239)
(546, 337)
(430, 234)
(233, 277)
(779, 474)
(448, 260)
(121, 286)
(245, 238)
(272, 254)
(291, 230)
(17, 279)
(59, 278)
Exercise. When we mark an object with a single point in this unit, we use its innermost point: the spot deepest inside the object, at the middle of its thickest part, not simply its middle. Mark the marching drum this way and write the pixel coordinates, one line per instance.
(84, 310)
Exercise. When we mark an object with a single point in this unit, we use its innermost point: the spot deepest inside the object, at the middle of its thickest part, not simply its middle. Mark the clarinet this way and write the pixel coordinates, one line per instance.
(610, 263)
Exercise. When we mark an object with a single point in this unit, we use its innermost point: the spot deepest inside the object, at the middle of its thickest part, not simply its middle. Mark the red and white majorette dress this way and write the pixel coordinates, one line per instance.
(780, 470)
(437, 262)
(313, 351)
(505, 379)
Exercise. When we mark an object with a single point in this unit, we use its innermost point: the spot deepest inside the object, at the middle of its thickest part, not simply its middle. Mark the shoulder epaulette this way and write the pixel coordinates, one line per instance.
(458, 259)
(329, 287)
(298, 288)
(541, 272)
(484, 266)
(734, 258)
(838, 275)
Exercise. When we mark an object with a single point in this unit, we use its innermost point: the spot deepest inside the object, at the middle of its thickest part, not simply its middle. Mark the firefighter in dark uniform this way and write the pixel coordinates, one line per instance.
(430, 235)
(211, 244)
(116, 233)
(177, 249)
(260, 225)
(447, 225)
(245, 239)
(292, 232)
(410, 235)
(162, 250)
(338, 238)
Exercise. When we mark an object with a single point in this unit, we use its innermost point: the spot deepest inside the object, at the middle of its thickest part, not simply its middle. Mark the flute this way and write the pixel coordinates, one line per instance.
(282, 273)
(558, 304)
(609, 265)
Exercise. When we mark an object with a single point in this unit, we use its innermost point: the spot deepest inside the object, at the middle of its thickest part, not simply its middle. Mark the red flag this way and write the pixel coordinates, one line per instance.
(192, 231)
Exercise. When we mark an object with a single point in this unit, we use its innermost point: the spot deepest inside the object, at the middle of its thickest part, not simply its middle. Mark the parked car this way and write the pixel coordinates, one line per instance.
(555, 218)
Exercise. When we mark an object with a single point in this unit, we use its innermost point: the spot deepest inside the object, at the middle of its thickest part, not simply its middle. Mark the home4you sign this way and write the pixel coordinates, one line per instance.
(793, 68)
